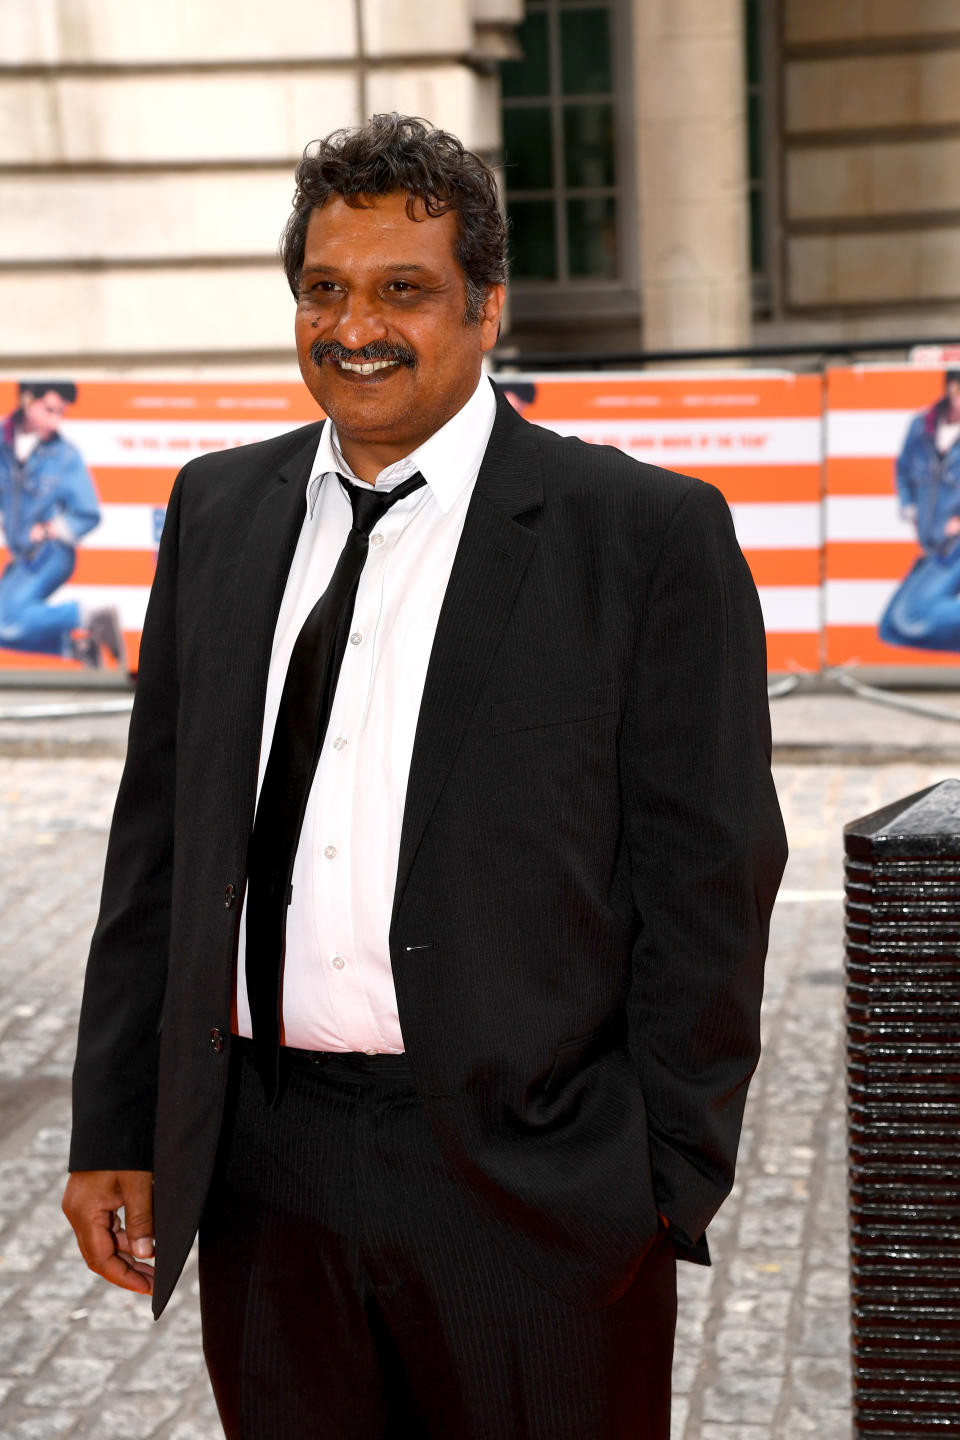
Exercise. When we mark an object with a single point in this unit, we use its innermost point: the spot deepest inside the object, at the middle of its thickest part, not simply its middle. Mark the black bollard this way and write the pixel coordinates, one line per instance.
(903, 1106)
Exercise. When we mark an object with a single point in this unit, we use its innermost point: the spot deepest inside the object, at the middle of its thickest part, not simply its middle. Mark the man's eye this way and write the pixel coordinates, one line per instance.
(400, 287)
(320, 289)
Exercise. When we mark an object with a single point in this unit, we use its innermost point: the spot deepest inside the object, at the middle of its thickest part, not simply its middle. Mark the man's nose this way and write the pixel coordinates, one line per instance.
(360, 321)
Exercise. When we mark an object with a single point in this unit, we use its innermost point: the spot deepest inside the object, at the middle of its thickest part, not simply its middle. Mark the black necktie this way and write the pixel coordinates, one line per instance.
(305, 706)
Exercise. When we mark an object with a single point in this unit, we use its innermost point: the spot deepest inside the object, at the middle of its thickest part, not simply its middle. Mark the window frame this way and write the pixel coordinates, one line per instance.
(572, 297)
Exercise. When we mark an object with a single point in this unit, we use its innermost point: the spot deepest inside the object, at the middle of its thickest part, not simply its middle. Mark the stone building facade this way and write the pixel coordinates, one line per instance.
(147, 156)
(863, 128)
(678, 173)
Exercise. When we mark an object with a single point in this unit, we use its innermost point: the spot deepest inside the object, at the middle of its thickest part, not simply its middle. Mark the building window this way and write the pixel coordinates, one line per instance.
(559, 140)
(762, 69)
(754, 134)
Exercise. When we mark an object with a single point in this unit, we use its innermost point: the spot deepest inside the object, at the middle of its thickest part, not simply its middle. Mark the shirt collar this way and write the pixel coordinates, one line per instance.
(448, 461)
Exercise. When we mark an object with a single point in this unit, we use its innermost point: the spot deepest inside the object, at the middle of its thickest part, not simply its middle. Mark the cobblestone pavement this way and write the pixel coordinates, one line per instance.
(762, 1350)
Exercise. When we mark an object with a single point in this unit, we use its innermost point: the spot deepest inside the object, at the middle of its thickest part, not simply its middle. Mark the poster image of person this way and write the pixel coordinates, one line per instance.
(48, 503)
(924, 610)
(520, 393)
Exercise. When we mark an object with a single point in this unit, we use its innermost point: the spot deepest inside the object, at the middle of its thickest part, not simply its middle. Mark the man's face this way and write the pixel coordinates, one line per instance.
(379, 289)
(42, 413)
(953, 397)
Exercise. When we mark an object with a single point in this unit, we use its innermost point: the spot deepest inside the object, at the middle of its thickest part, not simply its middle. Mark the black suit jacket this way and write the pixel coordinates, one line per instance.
(590, 851)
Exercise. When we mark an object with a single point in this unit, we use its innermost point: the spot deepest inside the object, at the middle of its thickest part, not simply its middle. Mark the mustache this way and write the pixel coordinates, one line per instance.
(322, 350)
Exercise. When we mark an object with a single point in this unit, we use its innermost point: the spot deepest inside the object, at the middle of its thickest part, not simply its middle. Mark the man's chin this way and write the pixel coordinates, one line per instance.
(379, 401)
(331, 387)
(365, 419)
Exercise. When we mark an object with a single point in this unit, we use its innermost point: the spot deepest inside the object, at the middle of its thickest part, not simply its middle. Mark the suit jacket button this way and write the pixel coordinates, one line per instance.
(216, 1039)
(229, 895)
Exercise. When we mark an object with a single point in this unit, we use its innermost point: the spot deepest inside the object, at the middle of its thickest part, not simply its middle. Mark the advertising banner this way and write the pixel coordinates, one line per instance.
(85, 475)
(86, 472)
(892, 517)
(756, 435)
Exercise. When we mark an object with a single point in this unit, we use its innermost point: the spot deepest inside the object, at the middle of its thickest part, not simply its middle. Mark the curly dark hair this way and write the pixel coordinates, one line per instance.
(400, 153)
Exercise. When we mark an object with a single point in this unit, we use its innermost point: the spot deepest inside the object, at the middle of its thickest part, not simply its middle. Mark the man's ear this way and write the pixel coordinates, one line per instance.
(490, 316)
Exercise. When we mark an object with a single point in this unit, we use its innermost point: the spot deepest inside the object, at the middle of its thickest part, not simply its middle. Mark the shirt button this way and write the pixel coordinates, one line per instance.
(356, 638)
(371, 1052)
(376, 540)
(339, 743)
(331, 852)
(338, 962)
(229, 895)
(216, 1040)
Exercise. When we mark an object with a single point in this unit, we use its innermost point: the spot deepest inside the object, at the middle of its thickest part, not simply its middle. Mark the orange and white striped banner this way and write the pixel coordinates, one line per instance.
(756, 435)
(134, 436)
(869, 546)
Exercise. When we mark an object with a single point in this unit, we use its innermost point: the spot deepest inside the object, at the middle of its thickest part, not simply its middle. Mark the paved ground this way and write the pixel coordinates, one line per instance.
(762, 1343)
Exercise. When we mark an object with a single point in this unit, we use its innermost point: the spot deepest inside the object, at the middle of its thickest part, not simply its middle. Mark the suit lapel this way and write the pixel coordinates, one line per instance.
(261, 577)
(492, 556)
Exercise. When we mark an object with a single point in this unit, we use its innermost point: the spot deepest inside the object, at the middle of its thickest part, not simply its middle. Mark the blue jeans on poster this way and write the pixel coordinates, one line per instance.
(27, 622)
(924, 610)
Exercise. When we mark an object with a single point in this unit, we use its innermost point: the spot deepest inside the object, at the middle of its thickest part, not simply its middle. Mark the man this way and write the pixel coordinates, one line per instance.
(523, 911)
(48, 502)
(924, 610)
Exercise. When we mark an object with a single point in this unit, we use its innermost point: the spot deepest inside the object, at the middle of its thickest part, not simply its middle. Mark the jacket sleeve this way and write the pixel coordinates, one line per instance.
(115, 1076)
(707, 850)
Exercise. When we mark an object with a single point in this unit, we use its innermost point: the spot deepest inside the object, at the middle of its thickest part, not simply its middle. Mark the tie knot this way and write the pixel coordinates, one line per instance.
(369, 504)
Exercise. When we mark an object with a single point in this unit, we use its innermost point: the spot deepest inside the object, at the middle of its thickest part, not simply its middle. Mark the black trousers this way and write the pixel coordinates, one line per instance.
(350, 1291)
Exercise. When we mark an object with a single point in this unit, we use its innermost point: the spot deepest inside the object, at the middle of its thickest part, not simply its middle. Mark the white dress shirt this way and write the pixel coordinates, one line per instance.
(338, 991)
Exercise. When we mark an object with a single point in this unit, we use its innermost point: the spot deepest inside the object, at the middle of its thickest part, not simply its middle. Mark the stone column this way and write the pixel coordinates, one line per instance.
(691, 149)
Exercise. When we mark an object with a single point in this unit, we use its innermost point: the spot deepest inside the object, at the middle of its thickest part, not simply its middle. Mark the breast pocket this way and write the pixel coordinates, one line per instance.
(567, 707)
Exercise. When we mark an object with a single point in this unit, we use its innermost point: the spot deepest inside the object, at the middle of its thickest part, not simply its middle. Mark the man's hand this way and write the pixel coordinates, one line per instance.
(117, 1251)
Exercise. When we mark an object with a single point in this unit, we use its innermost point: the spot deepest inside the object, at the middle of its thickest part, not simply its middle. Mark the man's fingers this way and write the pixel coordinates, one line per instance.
(138, 1212)
(128, 1274)
(142, 1247)
(91, 1201)
(119, 1272)
(98, 1248)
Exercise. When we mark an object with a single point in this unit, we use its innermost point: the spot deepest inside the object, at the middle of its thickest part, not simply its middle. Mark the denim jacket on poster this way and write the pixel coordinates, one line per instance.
(928, 480)
(52, 483)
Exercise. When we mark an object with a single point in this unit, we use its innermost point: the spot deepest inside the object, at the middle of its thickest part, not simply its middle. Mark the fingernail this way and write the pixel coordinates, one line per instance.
(143, 1248)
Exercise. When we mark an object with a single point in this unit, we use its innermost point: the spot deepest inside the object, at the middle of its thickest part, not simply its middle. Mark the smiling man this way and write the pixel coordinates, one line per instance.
(389, 341)
(427, 975)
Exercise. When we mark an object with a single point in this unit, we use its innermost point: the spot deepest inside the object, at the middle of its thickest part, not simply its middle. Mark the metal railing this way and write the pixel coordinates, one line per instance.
(504, 361)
